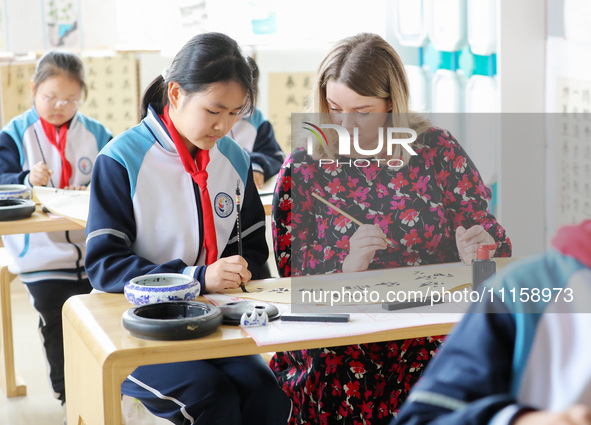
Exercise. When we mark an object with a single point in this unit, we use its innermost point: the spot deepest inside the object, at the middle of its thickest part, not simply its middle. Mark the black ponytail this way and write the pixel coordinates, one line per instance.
(155, 95)
(206, 59)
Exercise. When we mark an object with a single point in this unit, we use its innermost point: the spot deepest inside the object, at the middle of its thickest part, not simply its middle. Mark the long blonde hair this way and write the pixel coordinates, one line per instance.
(368, 65)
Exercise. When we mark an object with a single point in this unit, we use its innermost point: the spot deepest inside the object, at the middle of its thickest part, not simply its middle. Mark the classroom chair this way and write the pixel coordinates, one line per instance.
(9, 382)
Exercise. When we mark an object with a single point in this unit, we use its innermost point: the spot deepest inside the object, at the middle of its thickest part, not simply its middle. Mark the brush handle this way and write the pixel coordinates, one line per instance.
(343, 213)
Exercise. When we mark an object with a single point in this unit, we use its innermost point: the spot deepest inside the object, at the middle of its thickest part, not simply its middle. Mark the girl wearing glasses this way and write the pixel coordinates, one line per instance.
(54, 145)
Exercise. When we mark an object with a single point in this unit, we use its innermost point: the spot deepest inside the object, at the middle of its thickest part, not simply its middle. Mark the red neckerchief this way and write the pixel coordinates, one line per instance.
(196, 168)
(50, 131)
(575, 241)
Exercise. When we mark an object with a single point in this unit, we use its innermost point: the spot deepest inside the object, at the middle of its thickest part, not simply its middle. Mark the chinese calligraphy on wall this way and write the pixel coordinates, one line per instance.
(288, 93)
(573, 151)
(112, 91)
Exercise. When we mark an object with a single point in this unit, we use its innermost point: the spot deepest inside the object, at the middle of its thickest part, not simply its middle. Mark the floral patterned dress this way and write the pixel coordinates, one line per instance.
(418, 207)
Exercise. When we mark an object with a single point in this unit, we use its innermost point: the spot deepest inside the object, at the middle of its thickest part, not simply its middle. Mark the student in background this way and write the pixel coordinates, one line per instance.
(255, 134)
(433, 209)
(52, 145)
(522, 361)
(160, 203)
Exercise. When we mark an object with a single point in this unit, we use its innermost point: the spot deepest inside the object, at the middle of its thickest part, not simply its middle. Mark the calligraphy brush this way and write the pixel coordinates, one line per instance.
(239, 228)
(42, 155)
(343, 213)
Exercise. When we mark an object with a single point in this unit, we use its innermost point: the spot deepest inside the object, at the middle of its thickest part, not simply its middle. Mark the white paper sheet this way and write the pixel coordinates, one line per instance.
(68, 203)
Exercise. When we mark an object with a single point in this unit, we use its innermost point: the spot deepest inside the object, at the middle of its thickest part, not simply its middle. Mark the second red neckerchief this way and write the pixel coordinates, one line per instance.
(197, 169)
(53, 134)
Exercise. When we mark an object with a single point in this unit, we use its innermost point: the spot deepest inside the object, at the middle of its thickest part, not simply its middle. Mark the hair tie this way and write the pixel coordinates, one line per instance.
(165, 73)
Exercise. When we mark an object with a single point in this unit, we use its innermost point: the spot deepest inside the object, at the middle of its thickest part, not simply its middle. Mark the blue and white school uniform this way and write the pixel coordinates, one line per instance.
(23, 143)
(145, 217)
(256, 136)
(51, 264)
(509, 355)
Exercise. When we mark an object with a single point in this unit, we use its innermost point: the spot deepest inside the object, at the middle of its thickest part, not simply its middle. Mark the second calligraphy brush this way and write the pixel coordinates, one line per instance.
(42, 155)
(343, 213)
(239, 228)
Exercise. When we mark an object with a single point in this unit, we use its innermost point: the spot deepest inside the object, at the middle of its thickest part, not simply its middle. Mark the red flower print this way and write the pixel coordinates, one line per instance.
(286, 203)
(411, 238)
(344, 410)
(332, 169)
(428, 231)
(358, 369)
(429, 156)
(381, 190)
(366, 409)
(284, 263)
(420, 186)
(352, 182)
(286, 183)
(284, 241)
(444, 139)
(343, 243)
(409, 217)
(449, 155)
(383, 221)
(464, 185)
(332, 362)
(383, 410)
(432, 244)
(398, 182)
(324, 418)
(341, 223)
(460, 164)
(322, 226)
(352, 389)
(360, 194)
(441, 178)
(414, 172)
(353, 351)
(400, 205)
(306, 170)
(335, 187)
(336, 387)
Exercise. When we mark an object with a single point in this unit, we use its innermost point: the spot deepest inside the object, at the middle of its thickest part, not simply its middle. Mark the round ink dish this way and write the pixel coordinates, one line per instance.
(232, 312)
(161, 287)
(16, 209)
(170, 321)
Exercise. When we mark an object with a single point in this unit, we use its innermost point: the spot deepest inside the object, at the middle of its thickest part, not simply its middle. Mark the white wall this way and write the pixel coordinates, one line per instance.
(520, 67)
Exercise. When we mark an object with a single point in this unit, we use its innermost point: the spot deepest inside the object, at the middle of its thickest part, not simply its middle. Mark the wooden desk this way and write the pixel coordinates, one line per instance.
(38, 222)
(12, 385)
(267, 201)
(100, 353)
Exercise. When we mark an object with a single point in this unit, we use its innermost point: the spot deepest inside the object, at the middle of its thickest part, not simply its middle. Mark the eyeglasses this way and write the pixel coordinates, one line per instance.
(57, 103)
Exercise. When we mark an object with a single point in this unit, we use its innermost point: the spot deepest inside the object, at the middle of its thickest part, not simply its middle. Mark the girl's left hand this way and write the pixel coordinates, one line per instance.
(468, 241)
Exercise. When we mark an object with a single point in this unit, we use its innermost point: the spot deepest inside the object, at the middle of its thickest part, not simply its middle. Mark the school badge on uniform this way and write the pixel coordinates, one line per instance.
(223, 205)
(85, 165)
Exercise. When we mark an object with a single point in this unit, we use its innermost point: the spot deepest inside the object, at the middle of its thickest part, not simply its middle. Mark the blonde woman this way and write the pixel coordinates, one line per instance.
(422, 208)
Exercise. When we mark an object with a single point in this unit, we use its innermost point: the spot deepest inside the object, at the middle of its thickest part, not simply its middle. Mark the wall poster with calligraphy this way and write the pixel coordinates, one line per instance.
(572, 152)
(288, 93)
(16, 88)
(112, 91)
(61, 19)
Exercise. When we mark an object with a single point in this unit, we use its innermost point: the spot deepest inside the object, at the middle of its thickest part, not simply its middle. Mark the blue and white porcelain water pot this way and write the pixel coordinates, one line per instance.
(163, 287)
(15, 191)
